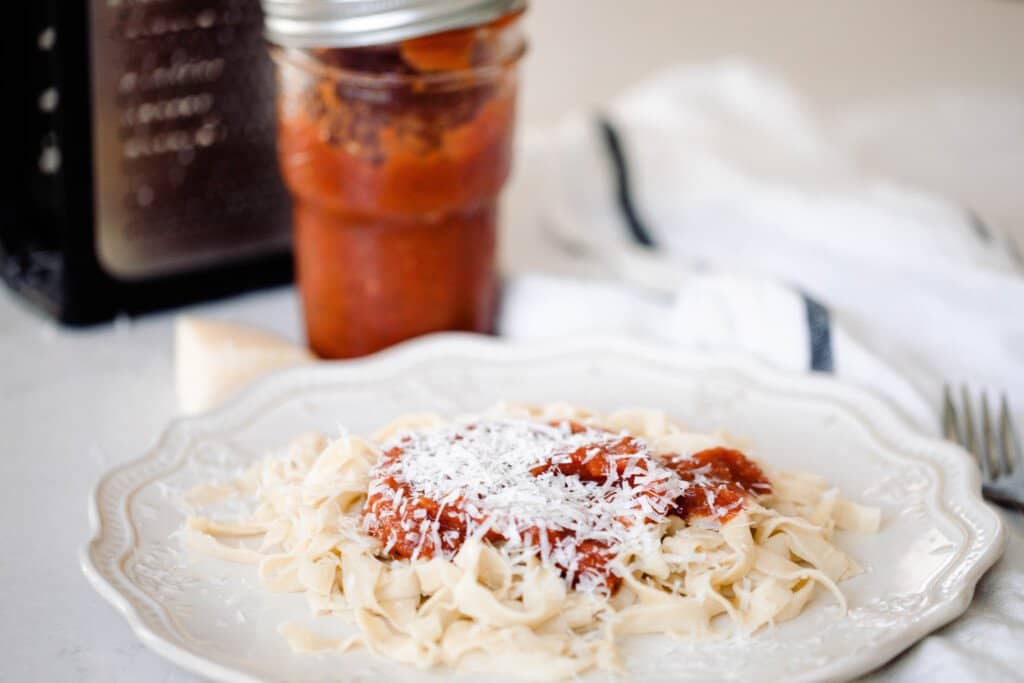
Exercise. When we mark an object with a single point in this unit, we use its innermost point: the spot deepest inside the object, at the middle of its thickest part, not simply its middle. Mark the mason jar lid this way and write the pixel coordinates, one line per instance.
(358, 23)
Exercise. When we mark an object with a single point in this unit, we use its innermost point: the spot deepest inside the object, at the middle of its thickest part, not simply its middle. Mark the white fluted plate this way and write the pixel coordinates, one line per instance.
(938, 537)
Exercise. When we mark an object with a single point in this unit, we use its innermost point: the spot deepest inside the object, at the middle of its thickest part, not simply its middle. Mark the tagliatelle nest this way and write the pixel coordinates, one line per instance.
(528, 541)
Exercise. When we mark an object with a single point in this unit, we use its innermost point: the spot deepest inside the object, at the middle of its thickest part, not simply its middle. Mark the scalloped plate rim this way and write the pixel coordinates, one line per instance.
(409, 352)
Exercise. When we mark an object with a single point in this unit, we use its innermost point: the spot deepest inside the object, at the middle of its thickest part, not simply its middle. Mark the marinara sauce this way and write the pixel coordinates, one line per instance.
(395, 156)
(720, 481)
(632, 486)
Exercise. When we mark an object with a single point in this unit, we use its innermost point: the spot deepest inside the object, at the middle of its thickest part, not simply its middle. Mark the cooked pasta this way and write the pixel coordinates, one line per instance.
(530, 540)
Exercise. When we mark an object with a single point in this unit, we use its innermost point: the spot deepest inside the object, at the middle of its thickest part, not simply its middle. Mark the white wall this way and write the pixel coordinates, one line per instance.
(840, 52)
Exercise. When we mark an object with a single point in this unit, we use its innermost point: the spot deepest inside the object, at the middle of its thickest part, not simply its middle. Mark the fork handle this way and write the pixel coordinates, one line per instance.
(999, 498)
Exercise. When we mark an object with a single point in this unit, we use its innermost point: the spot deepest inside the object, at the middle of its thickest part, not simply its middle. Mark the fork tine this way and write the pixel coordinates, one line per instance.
(971, 441)
(950, 426)
(1008, 438)
(989, 448)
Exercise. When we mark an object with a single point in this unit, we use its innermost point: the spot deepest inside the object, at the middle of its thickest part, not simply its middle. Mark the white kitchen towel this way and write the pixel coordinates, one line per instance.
(776, 323)
(706, 207)
(715, 189)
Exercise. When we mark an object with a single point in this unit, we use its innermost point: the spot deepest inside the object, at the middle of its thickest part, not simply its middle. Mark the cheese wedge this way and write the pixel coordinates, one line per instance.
(214, 359)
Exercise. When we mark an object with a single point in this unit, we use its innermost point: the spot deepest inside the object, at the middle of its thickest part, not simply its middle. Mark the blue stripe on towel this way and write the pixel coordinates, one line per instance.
(984, 233)
(819, 328)
(623, 192)
(978, 226)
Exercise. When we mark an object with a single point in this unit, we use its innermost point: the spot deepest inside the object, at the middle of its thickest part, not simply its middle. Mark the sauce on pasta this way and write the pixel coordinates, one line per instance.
(721, 480)
(503, 481)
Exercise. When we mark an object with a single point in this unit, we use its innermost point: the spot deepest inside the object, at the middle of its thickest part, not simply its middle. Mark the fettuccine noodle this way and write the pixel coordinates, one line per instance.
(528, 585)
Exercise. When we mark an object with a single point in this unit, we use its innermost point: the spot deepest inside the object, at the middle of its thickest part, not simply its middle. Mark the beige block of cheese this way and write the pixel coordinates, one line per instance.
(215, 359)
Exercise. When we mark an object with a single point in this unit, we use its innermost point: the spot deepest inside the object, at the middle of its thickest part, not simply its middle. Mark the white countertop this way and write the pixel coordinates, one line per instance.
(72, 405)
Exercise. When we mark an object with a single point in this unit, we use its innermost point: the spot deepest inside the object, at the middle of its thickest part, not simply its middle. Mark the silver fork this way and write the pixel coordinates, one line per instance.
(995, 445)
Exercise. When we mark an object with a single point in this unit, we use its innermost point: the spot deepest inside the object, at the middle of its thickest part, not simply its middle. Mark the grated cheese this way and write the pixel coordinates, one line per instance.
(491, 467)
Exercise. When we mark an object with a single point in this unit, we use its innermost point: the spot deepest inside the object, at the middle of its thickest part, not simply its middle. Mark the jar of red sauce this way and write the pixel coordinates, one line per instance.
(395, 122)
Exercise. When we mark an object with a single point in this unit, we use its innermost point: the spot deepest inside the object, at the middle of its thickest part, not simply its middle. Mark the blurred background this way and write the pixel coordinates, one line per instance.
(883, 137)
(930, 92)
(129, 146)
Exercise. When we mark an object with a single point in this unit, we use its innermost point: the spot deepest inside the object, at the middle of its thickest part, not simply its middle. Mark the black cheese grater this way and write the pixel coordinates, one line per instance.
(142, 168)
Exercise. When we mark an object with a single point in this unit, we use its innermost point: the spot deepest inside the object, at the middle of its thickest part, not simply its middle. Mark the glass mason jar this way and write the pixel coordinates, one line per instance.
(395, 143)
